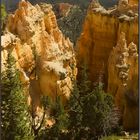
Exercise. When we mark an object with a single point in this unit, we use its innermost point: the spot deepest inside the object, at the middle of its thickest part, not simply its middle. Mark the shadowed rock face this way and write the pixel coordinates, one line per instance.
(71, 22)
(101, 30)
(44, 56)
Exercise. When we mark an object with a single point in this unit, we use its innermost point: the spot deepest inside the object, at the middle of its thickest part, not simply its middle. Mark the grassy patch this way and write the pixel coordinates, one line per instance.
(113, 137)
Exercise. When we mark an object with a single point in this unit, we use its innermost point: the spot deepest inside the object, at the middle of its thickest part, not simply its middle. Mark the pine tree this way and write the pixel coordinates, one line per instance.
(3, 16)
(97, 106)
(97, 109)
(89, 113)
(85, 84)
(61, 120)
(3, 11)
(15, 116)
(58, 113)
(75, 113)
(90, 110)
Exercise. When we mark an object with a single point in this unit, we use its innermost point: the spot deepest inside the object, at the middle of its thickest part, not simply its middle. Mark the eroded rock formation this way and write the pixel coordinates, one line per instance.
(123, 80)
(43, 55)
(101, 30)
(132, 2)
(69, 19)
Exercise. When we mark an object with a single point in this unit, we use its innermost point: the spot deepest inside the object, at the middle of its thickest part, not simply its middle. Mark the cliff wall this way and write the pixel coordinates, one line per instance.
(102, 31)
(132, 2)
(43, 55)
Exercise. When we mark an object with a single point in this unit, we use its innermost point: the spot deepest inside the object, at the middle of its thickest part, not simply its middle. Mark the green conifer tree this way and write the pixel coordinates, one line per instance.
(90, 110)
(75, 113)
(3, 16)
(56, 132)
(87, 115)
(15, 116)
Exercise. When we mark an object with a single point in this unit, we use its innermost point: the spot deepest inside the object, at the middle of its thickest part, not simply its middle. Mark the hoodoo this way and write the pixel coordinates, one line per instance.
(123, 80)
(43, 55)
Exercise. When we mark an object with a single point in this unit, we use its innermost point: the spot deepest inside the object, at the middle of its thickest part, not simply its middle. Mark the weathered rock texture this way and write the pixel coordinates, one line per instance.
(69, 19)
(123, 80)
(43, 55)
(101, 30)
(132, 2)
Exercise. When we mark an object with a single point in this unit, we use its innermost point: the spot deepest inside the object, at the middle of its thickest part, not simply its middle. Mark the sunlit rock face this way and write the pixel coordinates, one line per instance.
(102, 31)
(132, 2)
(123, 80)
(43, 55)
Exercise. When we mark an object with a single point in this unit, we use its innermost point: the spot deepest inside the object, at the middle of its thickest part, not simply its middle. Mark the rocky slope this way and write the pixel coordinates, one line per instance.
(45, 58)
(101, 30)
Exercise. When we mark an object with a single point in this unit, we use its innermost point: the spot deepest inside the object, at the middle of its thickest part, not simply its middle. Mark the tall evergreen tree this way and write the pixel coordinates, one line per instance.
(15, 116)
(3, 17)
(91, 110)
(57, 131)
(75, 112)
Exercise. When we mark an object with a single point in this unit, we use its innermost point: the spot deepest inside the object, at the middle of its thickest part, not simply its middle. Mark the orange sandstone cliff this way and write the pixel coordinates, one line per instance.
(45, 58)
(101, 31)
(132, 2)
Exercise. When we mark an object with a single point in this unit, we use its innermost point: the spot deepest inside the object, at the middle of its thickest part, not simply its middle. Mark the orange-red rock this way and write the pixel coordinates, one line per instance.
(44, 56)
(101, 31)
(132, 2)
